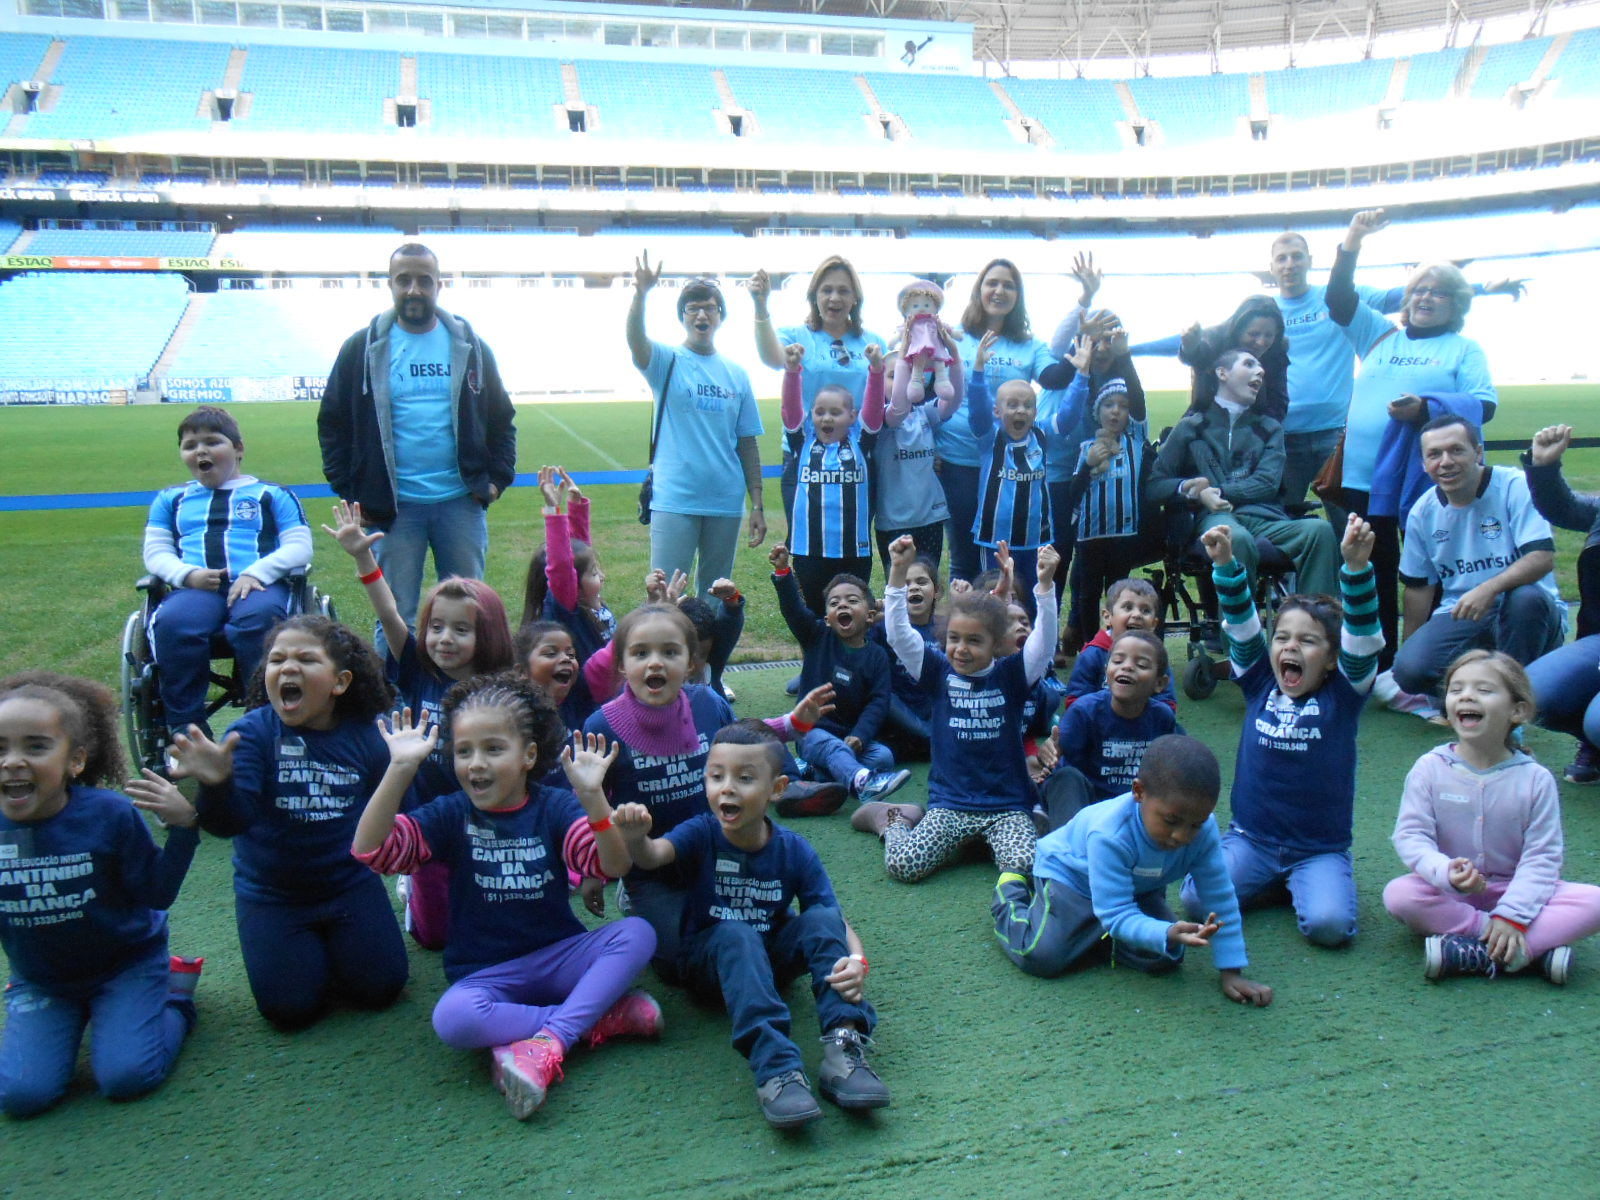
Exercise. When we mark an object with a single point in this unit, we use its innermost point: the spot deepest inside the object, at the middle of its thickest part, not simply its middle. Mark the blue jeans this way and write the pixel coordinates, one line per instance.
(1567, 684)
(301, 957)
(829, 757)
(679, 542)
(961, 497)
(1525, 623)
(456, 530)
(1320, 886)
(181, 631)
(661, 905)
(139, 1027)
(734, 960)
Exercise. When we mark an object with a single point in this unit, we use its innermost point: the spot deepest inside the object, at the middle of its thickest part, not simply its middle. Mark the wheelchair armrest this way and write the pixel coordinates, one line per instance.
(155, 587)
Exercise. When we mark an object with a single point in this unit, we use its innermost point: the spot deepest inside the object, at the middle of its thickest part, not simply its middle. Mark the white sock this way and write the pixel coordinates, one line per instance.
(860, 781)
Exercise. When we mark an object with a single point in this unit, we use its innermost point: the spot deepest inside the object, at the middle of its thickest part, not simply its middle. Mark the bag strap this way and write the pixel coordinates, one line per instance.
(661, 408)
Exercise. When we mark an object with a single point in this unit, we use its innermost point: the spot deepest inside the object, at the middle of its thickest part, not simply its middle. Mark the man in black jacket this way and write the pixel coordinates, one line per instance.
(417, 428)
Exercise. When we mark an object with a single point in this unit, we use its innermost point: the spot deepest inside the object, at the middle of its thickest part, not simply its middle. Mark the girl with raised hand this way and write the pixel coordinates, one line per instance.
(565, 582)
(83, 899)
(526, 978)
(287, 784)
(1480, 828)
(462, 633)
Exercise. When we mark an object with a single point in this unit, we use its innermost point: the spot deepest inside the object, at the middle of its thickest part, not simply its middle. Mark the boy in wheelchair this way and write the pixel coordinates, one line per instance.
(223, 545)
(1226, 459)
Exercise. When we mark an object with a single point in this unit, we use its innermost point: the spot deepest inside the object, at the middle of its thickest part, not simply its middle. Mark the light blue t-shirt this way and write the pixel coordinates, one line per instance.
(1321, 362)
(1060, 450)
(426, 468)
(1463, 547)
(1395, 366)
(906, 492)
(1010, 360)
(709, 407)
(825, 363)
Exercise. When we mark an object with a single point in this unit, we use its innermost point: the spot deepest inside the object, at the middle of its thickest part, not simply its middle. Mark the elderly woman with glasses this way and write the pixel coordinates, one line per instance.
(834, 340)
(706, 455)
(1409, 374)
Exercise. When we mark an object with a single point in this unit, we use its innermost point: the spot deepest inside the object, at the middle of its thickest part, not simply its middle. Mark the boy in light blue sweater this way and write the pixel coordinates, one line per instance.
(1099, 886)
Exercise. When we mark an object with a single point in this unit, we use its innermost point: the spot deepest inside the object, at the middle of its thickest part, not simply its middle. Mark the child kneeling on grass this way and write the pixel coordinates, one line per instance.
(1099, 885)
(741, 941)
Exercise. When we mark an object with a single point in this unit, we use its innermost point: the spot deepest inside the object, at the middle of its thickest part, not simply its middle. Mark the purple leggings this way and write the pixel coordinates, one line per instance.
(1571, 913)
(561, 990)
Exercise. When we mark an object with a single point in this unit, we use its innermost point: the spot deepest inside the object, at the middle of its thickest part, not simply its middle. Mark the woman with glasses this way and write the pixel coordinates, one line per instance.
(707, 457)
(832, 335)
(1409, 374)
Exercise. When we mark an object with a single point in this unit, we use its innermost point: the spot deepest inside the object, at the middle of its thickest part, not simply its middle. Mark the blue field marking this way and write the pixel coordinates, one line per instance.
(306, 491)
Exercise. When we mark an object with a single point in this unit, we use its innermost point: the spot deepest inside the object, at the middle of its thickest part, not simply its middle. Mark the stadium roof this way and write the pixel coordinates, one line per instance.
(1138, 30)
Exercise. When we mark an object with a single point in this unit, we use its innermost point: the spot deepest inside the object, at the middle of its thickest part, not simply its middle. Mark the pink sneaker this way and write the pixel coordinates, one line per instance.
(524, 1071)
(635, 1014)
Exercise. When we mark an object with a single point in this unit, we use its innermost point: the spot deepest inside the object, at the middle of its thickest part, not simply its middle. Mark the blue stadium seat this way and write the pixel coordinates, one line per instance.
(114, 324)
(20, 56)
(1196, 108)
(954, 111)
(304, 89)
(1506, 66)
(650, 101)
(473, 95)
(147, 243)
(1431, 76)
(113, 87)
(1578, 68)
(1080, 114)
(1305, 93)
(821, 107)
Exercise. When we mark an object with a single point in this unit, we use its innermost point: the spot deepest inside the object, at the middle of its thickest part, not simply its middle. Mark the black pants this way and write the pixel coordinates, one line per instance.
(1385, 571)
(812, 572)
(929, 540)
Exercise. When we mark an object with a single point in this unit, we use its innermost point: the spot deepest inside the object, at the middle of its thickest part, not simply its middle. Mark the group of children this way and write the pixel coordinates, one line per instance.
(498, 772)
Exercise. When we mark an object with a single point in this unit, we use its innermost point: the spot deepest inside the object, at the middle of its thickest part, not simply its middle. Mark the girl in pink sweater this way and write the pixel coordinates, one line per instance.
(1480, 828)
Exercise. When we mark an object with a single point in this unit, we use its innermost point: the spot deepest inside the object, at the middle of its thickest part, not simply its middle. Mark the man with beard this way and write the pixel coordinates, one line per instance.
(416, 427)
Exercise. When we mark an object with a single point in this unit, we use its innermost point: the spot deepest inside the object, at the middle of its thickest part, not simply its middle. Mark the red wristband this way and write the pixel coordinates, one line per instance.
(377, 574)
(779, 574)
(600, 826)
(1517, 925)
(862, 959)
(799, 725)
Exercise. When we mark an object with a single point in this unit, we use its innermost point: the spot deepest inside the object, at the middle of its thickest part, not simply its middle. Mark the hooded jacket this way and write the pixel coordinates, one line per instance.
(355, 425)
(1243, 458)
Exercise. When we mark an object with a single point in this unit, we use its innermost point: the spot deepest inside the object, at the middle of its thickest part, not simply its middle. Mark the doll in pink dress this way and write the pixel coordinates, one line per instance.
(924, 346)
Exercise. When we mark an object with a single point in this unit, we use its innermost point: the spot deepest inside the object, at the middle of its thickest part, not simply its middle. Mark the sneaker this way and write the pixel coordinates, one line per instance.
(1450, 954)
(803, 798)
(844, 1076)
(1585, 767)
(729, 695)
(875, 816)
(793, 686)
(1555, 964)
(183, 974)
(786, 1100)
(524, 1071)
(635, 1014)
(881, 784)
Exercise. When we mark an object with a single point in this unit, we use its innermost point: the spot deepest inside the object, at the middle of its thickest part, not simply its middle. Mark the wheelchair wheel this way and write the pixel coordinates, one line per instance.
(140, 702)
(1199, 679)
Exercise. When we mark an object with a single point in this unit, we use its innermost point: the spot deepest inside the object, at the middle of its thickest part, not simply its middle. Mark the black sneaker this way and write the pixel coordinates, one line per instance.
(803, 798)
(844, 1076)
(786, 1100)
(1585, 767)
(1448, 954)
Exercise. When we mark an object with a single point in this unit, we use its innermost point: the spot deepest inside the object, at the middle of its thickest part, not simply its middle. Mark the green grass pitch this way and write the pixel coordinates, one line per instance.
(1360, 1080)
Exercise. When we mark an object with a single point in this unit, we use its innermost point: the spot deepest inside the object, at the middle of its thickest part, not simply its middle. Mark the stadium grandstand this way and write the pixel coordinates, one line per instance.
(180, 170)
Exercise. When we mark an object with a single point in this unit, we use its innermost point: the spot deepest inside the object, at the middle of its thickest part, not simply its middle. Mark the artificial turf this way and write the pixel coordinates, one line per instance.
(1361, 1079)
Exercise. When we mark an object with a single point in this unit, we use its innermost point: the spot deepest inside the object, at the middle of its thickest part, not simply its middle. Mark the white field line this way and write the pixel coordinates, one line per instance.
(578, 437)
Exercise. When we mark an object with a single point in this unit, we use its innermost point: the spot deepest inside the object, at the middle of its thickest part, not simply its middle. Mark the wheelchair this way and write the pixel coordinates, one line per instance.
(143, 714)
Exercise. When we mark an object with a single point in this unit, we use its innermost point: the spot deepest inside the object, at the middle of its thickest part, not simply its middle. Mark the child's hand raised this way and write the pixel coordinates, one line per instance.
(586, 761)
(655, 586)
(1218, 541)
(1049, 564)
(570, 485)
(1246, 991)
(794, 355)
(959, 587)
(160, 796)
(549, 488)
(1189, 933)
(676, 587)
(849, 979)
(813, 706)
(1082, 349)
(1006, 586)
(632, 821)
(778, 556)
(986, 345)
(347, 531)
(1465, 876)
(1357, 543)
(193, 755)
(410, 742)
(1085, 272)
(873, 353)
(725, 590)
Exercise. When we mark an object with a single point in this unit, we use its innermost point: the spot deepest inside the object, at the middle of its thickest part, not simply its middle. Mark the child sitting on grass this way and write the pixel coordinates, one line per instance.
(1130, 604)
(905, 729)
(1480, 828)
(978, 784)
(1099, 885)
(837, 651)
(1103, 737)
(565, 582)
(741, 941)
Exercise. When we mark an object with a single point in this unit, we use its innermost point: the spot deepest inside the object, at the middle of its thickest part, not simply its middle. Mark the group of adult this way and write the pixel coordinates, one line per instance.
(416, 424)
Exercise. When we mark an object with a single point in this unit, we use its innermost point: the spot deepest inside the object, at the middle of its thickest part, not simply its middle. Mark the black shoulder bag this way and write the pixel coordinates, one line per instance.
(647, 488)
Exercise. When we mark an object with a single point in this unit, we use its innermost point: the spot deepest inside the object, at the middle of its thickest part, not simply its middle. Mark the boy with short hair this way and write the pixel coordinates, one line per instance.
(224, 544)
(1130, 604)
(742, 942)
(1099, 884)
(836, 650)
(1013, 497)
(1102, 738)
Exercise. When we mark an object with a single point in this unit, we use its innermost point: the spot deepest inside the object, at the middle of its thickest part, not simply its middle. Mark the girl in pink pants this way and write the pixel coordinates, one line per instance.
(1480, 828)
